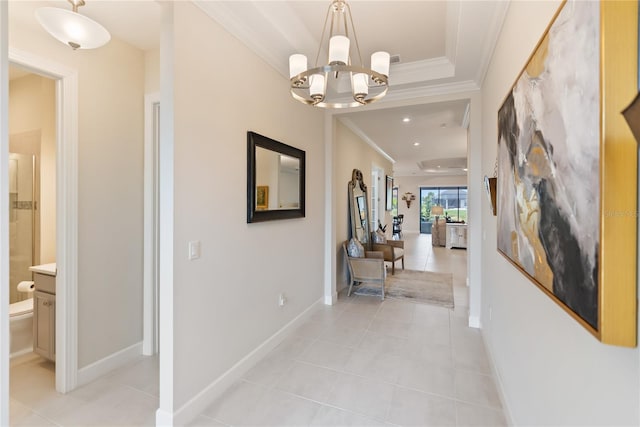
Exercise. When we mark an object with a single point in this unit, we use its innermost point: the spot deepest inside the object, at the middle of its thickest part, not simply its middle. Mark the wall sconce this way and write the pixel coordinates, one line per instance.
(408, 197)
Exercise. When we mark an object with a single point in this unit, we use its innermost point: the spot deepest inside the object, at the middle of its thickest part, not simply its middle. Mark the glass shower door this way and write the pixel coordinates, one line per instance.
(21, 222)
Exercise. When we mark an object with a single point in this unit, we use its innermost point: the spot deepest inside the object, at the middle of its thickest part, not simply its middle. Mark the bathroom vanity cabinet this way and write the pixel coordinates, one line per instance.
(44, 310)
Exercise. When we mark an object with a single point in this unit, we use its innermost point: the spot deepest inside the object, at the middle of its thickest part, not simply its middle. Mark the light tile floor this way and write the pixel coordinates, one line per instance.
(360, 362)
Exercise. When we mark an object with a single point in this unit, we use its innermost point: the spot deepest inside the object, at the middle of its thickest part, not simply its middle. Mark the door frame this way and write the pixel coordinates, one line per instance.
(151, 223)
(66, 210)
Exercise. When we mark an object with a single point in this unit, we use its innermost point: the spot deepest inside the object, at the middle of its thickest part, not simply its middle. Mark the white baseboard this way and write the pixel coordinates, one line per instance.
(499, 383)
(202, 400)
(164, 418)
(474, 322)
(330, 300)
(108, 364)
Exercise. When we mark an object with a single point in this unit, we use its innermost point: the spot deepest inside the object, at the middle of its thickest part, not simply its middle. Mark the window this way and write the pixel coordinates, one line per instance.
(452, 199)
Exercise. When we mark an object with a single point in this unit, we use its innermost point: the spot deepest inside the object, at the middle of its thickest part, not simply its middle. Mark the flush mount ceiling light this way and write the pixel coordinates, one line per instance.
(71, 28)
(309, 86)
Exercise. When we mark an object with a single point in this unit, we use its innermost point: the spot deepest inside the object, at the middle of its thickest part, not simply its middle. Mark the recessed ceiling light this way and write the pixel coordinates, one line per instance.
(415, 144)
(406, 120)
(465, 169)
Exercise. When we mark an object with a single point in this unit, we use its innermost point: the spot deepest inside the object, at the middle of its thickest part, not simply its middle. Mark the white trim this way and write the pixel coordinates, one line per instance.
(149, 341)
(430, 91)
(202, 400)
(499, 382)
(355, 129)
(166, 179)
(4, 217)
(474, 322)
(329, 223)
(66, 212)
(109, 363)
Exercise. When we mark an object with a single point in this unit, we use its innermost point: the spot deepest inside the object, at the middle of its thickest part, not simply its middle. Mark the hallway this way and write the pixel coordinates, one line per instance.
(360, 362)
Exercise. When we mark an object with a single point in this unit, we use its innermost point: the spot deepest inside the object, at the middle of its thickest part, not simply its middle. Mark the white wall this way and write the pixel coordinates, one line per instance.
(110, 155)
(226, 302)
(411, 221)
(351, 152)
(552, 371)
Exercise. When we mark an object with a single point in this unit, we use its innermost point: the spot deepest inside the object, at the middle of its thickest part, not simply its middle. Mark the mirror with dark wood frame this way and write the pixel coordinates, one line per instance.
(275, 180)
(359, 209)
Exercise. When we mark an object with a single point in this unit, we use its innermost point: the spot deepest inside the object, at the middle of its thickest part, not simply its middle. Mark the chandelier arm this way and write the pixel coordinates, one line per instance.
(355, 36)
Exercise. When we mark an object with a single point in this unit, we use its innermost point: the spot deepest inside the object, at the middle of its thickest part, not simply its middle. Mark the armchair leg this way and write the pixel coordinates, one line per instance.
(393, 267)
(403, 263)
(350, 286)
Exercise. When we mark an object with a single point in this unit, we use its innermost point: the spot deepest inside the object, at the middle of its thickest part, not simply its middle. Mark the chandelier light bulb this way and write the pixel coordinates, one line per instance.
(360, 86)
(316, 88)
(338, 50)
(380, 62)
(297, 64)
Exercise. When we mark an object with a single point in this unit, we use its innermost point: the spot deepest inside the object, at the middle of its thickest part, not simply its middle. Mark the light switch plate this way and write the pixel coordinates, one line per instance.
(194, 250)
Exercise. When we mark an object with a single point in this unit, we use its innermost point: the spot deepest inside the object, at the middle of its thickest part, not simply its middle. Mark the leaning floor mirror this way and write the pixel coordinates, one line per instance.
(359, 209)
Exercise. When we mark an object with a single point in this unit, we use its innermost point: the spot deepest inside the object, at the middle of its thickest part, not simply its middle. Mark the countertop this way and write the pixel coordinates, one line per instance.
(48, 269)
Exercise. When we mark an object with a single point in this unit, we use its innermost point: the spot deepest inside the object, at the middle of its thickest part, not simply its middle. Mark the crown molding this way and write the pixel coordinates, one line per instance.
(355, 129)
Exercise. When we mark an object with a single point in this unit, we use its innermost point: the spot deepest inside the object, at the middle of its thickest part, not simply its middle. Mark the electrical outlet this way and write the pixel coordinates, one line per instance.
(282, 300)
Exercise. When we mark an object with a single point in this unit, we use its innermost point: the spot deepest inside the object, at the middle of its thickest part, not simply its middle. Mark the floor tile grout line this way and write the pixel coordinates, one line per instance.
(343, 372)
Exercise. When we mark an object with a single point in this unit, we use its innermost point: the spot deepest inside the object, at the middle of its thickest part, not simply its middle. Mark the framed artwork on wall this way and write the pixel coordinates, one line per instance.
(388, 193)
(262, 197)
(566, 214)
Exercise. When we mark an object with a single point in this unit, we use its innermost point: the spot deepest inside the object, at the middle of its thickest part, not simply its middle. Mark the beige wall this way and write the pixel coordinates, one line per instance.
(226, 302)
(110, 153)
(351, 152)
(412, 184)
(553, 372)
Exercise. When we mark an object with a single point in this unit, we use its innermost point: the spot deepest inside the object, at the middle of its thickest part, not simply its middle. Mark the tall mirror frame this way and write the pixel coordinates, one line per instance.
(359, 209)
(254, 213)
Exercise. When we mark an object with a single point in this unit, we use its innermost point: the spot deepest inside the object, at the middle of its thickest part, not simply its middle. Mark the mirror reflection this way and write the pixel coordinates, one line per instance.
(277, 180)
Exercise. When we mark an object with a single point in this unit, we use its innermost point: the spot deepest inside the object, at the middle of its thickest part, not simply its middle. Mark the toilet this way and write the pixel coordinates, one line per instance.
(21, 327)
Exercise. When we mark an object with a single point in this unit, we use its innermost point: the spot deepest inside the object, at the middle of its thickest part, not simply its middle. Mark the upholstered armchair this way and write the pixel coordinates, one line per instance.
(369, 269)
(392, 251)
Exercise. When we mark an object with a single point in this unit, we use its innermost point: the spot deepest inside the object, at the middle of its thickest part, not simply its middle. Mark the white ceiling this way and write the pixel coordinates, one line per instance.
(444, 47)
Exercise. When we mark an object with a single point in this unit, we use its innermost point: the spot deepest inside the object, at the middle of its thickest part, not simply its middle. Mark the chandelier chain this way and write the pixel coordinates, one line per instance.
(355, 36)
(324, 29)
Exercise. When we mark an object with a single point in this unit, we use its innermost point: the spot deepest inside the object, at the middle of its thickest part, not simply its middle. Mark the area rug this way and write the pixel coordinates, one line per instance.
(426, 287)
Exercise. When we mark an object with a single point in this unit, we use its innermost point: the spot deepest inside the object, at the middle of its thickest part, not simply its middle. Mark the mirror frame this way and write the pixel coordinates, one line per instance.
(357, 180)
(253, 215)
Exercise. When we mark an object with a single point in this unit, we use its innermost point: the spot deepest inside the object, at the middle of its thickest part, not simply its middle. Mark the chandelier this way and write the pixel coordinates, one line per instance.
(309, 86)
(71, 28)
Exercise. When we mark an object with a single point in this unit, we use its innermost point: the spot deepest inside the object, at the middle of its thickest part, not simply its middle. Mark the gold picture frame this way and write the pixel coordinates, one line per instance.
(573, 233)
(262, 197)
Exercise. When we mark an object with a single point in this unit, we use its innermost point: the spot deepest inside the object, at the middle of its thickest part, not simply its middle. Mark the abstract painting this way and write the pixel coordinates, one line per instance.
(548, 162)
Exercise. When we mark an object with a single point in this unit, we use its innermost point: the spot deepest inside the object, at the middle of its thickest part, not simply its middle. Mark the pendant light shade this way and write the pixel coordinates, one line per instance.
(71, 28)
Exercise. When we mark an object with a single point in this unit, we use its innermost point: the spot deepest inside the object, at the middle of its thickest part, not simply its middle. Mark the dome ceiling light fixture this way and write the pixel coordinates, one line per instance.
(309, 86)
(71, 28)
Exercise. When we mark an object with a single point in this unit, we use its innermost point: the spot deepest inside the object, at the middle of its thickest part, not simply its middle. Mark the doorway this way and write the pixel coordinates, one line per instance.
(65, 218)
